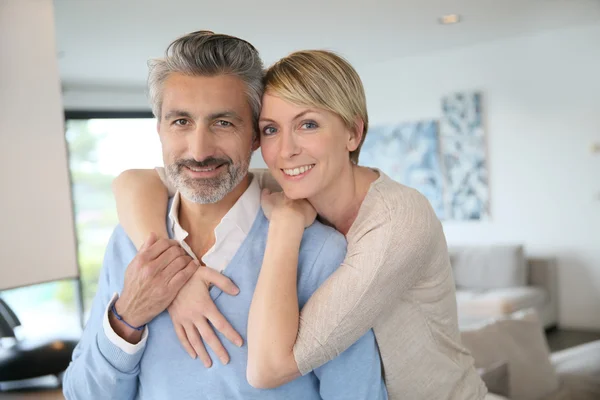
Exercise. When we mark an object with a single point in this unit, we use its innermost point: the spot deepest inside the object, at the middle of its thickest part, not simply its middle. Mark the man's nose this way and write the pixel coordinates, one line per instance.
(201, 144)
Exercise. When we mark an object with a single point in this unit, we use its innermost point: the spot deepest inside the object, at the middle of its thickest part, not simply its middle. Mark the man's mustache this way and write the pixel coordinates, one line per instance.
(207, 162)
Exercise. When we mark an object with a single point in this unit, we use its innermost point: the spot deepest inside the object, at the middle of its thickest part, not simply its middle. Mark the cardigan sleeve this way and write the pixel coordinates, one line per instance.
(391, 247)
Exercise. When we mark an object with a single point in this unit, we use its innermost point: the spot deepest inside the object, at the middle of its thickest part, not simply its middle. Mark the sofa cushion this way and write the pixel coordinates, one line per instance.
(578, 369)
(519, 341)
(496, 378)
(488, 267)
(498, 302)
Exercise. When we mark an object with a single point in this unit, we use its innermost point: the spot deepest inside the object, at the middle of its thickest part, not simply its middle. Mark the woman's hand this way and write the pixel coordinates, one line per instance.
(193, 308)
(278, 205)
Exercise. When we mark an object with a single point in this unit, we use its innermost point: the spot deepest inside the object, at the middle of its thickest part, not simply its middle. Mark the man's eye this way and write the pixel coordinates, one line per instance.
(181, 122)
(224, 123)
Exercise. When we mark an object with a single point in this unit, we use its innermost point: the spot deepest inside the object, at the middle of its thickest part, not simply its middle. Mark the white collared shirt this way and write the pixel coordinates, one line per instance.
(230, 233)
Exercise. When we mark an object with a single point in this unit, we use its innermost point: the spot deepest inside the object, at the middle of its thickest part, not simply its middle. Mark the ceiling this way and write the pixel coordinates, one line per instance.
(107, 42)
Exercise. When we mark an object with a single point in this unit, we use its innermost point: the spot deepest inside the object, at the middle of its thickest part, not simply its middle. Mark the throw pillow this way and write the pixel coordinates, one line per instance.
(489, 267)
(519, 341)
(496, 378)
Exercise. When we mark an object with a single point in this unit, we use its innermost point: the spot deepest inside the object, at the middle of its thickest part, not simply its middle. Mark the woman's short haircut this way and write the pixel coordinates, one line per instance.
(321, 79)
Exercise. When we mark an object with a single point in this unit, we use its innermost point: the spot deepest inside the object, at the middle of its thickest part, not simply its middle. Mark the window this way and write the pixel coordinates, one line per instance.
(100, 149)
(45, 310)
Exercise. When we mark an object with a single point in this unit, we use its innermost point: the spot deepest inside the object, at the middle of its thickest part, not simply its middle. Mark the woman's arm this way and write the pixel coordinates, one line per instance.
(389, 252)
(141, 198)
(275, 304)
(275, 299)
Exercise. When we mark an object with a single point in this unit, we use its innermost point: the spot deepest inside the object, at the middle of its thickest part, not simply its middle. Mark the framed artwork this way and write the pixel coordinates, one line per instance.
(443, 159)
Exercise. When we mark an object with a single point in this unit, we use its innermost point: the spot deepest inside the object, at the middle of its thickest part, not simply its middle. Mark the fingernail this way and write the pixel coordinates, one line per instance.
(224, 361)
(239, 343)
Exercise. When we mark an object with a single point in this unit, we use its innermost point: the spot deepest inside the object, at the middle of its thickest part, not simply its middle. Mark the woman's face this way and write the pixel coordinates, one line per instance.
(306, 149)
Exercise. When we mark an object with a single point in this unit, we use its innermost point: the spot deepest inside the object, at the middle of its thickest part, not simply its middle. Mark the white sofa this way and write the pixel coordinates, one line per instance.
(513, 358)
(498, 280)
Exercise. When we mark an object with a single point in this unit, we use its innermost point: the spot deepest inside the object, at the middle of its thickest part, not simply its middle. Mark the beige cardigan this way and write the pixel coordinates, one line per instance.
(397, 280)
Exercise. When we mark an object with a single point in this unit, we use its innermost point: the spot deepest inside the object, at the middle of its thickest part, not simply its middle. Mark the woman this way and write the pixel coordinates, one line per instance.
(396, 278)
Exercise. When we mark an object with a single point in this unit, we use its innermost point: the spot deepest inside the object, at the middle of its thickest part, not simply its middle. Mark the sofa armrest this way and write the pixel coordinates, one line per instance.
(543, 273)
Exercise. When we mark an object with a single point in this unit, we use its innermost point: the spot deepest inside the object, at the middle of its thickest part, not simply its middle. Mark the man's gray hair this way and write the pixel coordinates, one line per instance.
(205, 53)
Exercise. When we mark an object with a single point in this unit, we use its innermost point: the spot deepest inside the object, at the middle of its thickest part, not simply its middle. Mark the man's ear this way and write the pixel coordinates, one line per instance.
(356, 134)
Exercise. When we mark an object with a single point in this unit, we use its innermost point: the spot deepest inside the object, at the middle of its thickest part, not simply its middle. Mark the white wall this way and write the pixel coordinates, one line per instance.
(104, 98)
(542, 108)
(37, 240)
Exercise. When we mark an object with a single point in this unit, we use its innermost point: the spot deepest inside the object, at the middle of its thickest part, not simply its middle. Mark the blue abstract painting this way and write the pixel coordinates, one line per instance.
(462, 139)
(410, 154)
(445, 160)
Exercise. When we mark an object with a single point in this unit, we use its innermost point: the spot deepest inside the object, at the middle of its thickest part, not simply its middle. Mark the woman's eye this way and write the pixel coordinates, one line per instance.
(309, 125)
(269, 130)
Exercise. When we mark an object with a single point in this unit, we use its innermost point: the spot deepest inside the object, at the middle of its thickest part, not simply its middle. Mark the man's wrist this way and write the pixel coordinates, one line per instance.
(124, 327)
(123, 311)
(123, 331)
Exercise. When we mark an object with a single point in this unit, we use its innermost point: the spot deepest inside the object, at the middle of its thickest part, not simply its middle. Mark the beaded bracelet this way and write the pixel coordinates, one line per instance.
(114, 311)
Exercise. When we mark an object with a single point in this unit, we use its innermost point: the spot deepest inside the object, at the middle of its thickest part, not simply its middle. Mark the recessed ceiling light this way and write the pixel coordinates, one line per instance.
(449, 19)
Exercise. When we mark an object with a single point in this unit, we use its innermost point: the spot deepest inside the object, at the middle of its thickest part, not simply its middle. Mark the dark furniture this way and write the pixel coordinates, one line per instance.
(26, 359)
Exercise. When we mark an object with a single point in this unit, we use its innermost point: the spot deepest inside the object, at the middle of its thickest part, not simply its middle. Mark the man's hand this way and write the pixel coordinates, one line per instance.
(192, 310)
(152, 280)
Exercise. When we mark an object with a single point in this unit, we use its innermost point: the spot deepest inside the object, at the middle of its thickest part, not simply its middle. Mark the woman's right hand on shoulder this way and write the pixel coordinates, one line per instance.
(278, 205)
(192, 310)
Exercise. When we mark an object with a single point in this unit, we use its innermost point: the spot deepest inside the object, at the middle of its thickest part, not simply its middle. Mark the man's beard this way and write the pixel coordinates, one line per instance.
(207, 190)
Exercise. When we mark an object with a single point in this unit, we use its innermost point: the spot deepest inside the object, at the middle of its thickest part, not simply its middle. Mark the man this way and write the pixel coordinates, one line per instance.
(206, 95)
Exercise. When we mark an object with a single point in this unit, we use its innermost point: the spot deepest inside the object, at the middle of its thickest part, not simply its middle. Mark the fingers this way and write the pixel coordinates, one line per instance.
(194, 339)
(221, 281)
(184, 341)
(222, 325)
(159, 247)
(180, 278)
(212, 340)
(175, 266)
(168, 256)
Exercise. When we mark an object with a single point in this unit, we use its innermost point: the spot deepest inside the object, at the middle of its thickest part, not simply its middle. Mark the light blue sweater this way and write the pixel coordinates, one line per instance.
(164, 371)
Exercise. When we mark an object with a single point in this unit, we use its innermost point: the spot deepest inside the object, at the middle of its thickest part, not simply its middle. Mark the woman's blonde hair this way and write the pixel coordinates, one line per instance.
(321, 79)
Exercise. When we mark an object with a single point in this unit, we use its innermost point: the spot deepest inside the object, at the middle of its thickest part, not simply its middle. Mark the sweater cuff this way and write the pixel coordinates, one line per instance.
(123, 355)
(309, 353)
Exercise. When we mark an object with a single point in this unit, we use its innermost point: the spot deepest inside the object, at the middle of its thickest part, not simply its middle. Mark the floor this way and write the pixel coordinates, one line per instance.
(39, 395)
(558, 339)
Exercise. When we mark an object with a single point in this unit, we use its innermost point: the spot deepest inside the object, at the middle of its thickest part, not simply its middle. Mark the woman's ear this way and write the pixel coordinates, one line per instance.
(356, 134)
